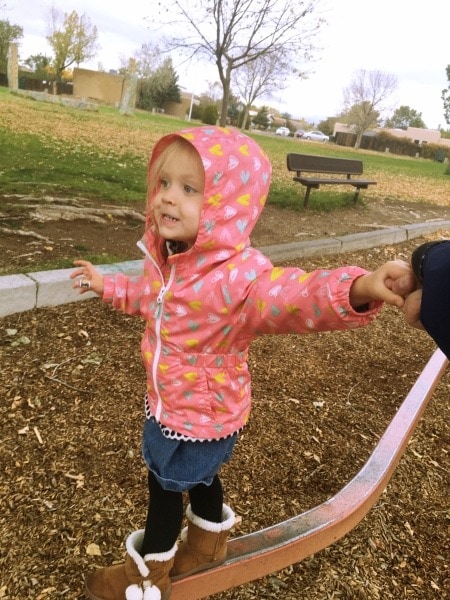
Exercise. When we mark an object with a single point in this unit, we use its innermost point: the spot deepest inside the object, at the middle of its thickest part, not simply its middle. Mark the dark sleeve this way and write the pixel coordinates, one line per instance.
(435, 305)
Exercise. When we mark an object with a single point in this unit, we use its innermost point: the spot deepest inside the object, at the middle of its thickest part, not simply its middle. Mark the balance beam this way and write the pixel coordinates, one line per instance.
(258, 554)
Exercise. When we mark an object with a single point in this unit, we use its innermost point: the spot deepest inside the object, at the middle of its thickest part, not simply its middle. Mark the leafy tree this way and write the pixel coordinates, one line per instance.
(159, 86)
(235, 109)
(72, 38)
(40, 65)
(404, 117)
(8, 33)
(327, 126)
(261, 119)
(158, 79)
(233, 33)
(362, 117)
(446, 98)
(365, 98)
(203, 100)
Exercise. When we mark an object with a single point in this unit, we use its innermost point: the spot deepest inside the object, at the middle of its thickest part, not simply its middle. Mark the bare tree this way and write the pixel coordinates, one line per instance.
(446, 98)
(148, 58)
(365, 98)
(233, 33)
(259, 78)
(72, 38)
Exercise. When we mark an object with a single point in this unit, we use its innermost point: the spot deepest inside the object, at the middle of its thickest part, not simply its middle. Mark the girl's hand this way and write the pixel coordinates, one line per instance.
(390, 283)
(90, 280)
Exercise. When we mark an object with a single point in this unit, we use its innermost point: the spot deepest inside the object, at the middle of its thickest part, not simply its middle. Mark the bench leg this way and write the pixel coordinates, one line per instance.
(356, 196)
(305, 201)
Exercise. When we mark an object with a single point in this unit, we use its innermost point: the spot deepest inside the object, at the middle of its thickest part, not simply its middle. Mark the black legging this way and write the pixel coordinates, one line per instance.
(165, 512)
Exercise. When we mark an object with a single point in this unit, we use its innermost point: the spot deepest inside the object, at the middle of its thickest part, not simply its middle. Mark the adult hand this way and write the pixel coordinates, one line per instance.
(411, 309)
(404, 285)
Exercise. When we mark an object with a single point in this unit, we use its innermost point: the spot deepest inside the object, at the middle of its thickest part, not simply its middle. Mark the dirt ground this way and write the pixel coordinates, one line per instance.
(41, 231)
(71, 384)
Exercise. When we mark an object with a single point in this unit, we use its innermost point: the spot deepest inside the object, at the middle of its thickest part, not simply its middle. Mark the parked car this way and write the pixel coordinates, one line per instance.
(282, 131)
(317, 136)
(299, 133)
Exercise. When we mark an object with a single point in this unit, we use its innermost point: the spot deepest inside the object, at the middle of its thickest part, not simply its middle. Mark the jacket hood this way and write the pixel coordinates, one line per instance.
(237, 180)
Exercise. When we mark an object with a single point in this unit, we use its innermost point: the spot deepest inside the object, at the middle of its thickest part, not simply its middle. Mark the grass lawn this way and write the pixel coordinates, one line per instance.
(55, 150)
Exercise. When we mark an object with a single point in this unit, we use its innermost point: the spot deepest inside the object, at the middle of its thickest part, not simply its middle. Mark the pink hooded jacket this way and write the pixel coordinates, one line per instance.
(204, 306)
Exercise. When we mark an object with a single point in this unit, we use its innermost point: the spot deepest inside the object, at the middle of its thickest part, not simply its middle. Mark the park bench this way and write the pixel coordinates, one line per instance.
(327, 165)
(258, 554)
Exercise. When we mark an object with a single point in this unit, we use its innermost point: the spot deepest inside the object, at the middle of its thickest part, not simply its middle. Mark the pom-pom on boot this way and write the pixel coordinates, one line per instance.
(203, 543)
(138, 578)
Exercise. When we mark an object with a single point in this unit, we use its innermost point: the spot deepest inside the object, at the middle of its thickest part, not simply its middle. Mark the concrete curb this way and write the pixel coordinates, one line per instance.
(62, 100)
(19, 293)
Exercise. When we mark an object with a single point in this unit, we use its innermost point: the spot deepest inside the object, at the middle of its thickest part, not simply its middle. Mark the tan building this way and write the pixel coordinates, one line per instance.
(104, 87)
(181, 109)
(109, 87)
(416, 134)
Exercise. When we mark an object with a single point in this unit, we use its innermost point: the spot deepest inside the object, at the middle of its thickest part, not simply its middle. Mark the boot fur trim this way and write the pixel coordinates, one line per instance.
(134, 541)
(228, 519)
(161, 556)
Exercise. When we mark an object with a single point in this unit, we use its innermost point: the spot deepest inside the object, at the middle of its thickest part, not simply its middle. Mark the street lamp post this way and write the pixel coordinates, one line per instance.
(240, 107)
(191, 105)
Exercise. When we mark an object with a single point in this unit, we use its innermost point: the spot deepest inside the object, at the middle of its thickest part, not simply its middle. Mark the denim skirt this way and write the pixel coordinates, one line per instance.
(180, 465)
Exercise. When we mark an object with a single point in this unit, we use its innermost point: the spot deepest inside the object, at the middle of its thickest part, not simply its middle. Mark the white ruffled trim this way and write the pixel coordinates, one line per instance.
(228, 520)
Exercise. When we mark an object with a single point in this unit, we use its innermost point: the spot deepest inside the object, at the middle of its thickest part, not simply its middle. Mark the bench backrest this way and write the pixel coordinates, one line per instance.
(324, 164)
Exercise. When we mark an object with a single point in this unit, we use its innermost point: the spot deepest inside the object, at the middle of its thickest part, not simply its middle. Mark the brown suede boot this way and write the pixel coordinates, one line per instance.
(139, 578)
(203, 544)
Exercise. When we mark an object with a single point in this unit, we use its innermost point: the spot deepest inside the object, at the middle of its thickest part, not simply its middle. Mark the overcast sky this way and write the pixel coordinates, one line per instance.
(401, 37)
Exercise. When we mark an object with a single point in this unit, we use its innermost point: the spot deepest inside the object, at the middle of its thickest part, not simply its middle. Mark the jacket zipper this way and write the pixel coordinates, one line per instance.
(158, 320)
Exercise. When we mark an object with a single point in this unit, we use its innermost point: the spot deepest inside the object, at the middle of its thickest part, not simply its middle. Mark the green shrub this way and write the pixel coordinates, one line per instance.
(435, 152)
(397, 145)
(210, 114)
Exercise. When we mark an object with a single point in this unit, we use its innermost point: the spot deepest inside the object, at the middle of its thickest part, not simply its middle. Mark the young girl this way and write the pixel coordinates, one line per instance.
(205, 294)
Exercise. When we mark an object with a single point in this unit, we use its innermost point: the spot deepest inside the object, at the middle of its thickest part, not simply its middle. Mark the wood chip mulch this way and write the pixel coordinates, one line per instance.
(74, 483)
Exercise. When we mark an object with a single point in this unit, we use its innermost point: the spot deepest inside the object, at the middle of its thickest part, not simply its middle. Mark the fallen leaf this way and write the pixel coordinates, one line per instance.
(22, 340)
(93, 550)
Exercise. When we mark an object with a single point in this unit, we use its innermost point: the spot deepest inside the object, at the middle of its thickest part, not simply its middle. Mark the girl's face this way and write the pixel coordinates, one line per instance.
(178, 201)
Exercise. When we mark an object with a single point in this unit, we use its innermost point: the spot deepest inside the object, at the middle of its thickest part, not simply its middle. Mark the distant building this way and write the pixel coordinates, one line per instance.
(181, 109)
(417, 134)
(108, 88)
(98, 85)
